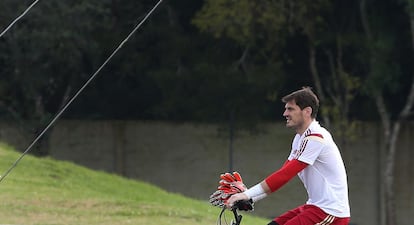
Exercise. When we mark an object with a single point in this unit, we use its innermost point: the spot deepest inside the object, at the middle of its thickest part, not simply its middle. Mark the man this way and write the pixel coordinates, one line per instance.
(316, 159)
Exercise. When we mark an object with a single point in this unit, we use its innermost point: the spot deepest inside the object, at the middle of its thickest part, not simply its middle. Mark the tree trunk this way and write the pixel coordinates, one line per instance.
(317, 80)
(388, 175)
(389, 211)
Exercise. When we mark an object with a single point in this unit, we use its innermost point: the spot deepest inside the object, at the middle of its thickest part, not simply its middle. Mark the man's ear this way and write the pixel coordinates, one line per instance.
(308, 110)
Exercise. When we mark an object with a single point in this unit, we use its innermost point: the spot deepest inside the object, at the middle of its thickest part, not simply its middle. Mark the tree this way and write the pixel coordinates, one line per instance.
(385, 77)
(44, 58)
(266, 28)
(337, 53)
(329, 36)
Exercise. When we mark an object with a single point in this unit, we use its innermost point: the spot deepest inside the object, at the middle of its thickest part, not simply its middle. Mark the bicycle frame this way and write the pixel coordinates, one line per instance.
(237, 217)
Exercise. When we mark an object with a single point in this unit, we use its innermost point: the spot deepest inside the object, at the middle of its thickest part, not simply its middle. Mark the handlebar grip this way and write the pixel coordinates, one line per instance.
(244, 205)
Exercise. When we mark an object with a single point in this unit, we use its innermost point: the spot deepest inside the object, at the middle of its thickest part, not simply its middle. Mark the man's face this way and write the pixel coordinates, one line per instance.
(294, 116)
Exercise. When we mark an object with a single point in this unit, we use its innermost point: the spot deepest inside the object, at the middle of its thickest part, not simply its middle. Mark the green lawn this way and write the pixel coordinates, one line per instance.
(47, 191)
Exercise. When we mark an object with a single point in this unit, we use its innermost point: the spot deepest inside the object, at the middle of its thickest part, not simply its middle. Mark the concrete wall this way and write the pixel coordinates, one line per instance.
(187, 158)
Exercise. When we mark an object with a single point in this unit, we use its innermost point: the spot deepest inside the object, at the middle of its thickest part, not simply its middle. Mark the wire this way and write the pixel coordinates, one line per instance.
(18, 18)
(219, 219)
(79, 91)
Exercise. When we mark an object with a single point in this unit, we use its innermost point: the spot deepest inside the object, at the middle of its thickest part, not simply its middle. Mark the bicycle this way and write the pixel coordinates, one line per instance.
(245, 205)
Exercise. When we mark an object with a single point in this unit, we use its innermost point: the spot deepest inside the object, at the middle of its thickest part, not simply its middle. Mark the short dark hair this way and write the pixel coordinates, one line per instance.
(304, 98)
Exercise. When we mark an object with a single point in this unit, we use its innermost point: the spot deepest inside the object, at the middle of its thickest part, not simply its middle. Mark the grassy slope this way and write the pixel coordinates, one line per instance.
(46, 191)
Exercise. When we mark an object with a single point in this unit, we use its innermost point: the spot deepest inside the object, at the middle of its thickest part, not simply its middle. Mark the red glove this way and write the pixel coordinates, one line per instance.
(229, 184)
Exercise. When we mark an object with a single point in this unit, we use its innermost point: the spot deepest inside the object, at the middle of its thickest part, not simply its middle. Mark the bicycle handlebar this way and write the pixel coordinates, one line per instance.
(244, 205)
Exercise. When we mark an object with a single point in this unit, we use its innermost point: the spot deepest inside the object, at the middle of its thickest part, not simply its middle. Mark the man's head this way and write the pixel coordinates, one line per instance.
(301, 107)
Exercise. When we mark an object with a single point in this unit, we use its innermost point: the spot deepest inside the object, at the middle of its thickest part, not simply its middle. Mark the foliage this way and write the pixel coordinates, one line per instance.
(37, 49)
(280, 21)
(45, 56)
(196, 60)
(242, 21)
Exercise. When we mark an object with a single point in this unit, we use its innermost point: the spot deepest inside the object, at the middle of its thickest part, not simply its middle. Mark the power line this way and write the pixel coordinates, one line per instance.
(18, 18)
(79, 91)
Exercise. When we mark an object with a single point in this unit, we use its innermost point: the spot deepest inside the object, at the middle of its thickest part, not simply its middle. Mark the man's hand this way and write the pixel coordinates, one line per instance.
(235, 198)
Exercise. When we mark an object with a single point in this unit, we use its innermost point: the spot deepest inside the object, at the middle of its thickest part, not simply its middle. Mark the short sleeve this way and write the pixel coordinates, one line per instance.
(310, 148)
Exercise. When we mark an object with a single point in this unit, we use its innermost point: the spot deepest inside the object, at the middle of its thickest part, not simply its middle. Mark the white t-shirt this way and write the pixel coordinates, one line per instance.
(325, 178)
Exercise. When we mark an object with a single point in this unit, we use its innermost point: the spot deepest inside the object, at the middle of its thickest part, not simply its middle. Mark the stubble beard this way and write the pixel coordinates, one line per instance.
(294, 126)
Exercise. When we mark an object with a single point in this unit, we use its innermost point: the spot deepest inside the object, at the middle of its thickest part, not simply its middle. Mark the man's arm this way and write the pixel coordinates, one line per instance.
(283, 175)
(271, 183)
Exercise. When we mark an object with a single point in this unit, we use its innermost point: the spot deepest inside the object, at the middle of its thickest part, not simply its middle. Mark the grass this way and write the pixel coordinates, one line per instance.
(50, 192)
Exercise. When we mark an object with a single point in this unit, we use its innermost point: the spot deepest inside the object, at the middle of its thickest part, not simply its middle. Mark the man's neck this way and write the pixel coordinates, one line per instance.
(305, 126)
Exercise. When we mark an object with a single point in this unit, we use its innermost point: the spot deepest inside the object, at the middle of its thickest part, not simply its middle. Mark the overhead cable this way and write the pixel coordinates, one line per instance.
(55, 118)
(18, 18)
